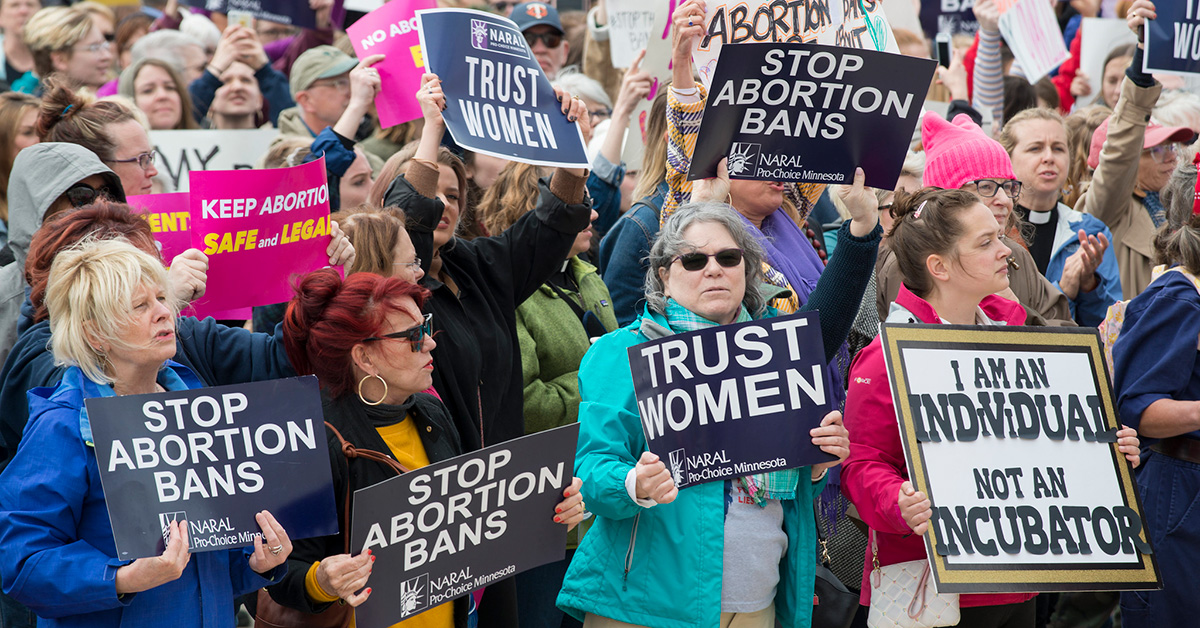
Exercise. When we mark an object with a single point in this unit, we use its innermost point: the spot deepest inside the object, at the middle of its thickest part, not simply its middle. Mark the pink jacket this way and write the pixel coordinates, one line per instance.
(872, 475)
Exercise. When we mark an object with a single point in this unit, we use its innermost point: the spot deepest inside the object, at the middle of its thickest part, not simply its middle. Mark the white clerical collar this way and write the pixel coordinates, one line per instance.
(1038, 218)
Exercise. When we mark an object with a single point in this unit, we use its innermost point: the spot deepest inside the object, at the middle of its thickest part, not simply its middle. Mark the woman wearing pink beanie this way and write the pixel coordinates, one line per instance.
(959, 155)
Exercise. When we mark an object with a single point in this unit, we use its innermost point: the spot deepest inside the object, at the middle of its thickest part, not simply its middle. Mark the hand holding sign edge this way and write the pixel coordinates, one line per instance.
(915, 507)
(654, 481)
(144, 574)
(263, 560)
(833, 439)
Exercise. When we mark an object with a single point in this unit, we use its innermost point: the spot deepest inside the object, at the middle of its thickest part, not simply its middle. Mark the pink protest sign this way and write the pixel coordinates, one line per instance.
(168, 215)
(392, 30)
(259, 228)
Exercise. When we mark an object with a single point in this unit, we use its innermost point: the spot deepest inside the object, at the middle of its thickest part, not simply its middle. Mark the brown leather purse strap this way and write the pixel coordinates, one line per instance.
(350, 451)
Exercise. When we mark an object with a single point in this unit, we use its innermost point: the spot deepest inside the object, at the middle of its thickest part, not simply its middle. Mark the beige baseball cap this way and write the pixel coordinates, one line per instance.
(319, 63)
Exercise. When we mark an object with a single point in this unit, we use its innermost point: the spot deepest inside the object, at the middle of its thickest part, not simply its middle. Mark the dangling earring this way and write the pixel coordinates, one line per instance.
(364, 399)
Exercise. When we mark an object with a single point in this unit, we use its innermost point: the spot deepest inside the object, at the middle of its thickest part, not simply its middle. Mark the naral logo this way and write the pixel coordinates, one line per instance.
(414, 595)
(498, 38)
(743, 157)
(166, 519)
(479, 34)
(677, 461)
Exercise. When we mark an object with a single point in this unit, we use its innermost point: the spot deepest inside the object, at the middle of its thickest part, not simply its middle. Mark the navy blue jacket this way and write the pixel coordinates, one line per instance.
(1155, 356)
(217, 354)
(625, 252)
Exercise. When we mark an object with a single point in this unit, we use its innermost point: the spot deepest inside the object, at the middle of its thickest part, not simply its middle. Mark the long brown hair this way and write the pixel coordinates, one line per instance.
(128, 89)
(68, 116)
(13, 107)
(373, 231)
(512, 195)
(654, 159)
(396, 164)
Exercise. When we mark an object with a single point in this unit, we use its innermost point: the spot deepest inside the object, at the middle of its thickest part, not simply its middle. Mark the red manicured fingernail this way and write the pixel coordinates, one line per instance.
(557, 519)
(368, 552)
(368, 590)
(567, 493)
(372, 559)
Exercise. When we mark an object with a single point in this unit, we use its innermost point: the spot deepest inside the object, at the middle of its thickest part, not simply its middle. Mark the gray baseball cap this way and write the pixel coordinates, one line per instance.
(319, 63)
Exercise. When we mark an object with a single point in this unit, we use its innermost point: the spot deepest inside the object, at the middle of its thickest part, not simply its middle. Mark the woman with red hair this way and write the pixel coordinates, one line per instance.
(368, 341)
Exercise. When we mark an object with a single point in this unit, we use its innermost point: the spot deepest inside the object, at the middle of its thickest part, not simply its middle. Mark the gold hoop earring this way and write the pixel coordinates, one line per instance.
(364, 399)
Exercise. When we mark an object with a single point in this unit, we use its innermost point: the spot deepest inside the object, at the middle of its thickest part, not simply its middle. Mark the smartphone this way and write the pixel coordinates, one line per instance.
(942, 41)
(243, 18)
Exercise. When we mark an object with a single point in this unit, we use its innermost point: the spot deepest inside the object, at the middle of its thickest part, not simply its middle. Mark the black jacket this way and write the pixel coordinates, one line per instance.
(349, 416)
(477, 365)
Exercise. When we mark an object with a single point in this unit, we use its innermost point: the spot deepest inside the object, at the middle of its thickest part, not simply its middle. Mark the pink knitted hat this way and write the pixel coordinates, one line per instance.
(960, 152)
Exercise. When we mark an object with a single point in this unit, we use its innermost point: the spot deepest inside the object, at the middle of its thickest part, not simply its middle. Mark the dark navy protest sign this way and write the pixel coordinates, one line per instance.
(215, 457)
(498, 101)
(953, 17)
(733, 400)
(449, 528)
(291, 12)
(806, 113)
(1173, 40)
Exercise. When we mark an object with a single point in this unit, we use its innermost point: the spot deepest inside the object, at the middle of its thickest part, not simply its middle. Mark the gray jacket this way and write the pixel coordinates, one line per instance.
(40, 174)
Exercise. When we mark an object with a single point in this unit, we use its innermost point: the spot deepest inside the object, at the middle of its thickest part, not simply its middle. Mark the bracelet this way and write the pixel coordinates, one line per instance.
(685, 92)
(217, 72)
(822, 476)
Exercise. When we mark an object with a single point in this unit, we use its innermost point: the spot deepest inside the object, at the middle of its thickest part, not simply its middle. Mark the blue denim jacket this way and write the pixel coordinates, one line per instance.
(624, 253)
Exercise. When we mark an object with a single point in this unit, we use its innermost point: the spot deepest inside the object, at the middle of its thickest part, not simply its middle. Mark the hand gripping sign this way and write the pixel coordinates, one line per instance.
(1011, 433)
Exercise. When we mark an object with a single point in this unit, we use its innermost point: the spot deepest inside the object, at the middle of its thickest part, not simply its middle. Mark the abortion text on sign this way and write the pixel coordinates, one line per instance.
(809, 113)
(733, 400)
(1011, 433)
(454, 526)
(215, 457)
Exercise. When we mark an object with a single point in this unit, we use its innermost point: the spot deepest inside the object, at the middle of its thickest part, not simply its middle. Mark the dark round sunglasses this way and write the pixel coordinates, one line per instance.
(696, 260)
(415, 335)
(82, 194)
(552, 40)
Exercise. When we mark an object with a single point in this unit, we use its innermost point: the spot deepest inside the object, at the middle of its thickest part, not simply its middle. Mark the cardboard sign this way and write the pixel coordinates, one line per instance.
(1011, 432)
(168, 216)
(498, 101)
(831, 22)
(657, 63)
(809, 113)
(1100, 36)
(290, 12)
(182, 152)
(447, 529)
(630, 25)
(1173, 40)
(258, 229)
(215, 457)
(733, 400)
(1031, 29)
(393, 31)
(954, 17)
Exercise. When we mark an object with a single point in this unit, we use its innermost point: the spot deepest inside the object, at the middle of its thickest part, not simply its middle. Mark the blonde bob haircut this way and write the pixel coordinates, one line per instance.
(55, 29)
(89, 297)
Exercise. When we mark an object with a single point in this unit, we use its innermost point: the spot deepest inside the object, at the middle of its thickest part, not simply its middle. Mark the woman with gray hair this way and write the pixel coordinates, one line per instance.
(113, 324)
(1156, 376)
(687, 569)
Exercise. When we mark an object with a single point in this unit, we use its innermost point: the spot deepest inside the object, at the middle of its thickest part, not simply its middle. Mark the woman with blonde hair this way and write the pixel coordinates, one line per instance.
(158, 90)
(381, 243)
(67, 40)
(113, 324)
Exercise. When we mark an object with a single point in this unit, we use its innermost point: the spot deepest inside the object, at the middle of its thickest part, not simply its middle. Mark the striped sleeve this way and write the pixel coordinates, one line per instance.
(989, 77)
(683, 126)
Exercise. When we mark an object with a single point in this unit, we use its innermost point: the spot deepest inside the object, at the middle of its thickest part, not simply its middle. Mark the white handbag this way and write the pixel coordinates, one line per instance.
(903, 597)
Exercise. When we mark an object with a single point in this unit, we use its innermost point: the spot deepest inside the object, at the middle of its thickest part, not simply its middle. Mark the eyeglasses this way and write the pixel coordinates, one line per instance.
(987, 188)
(696, 260)
(414, 265)
(415, 335)
(1163, 153)
(97, 47)
(144, 160)
(82, 194)
(552, 40)
(600, 115)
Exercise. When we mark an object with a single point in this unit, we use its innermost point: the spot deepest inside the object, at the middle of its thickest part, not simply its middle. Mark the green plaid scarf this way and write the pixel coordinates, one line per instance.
(760, 486)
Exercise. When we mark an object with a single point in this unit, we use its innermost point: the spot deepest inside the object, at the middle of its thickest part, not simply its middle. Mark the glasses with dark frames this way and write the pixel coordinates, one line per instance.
(987, 188)
(415, 335)
(694, 261)
(144, 160)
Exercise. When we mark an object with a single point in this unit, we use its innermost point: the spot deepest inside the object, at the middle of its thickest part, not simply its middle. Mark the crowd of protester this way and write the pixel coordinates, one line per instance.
(481, 300)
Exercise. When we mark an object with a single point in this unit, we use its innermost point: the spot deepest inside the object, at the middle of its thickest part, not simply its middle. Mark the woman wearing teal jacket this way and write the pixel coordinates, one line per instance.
(721, 553)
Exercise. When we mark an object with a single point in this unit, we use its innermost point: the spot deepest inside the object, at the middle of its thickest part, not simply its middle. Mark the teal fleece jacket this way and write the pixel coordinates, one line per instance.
(661, 566)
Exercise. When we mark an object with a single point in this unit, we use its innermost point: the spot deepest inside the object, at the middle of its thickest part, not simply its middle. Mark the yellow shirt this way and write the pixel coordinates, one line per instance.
(405, 444)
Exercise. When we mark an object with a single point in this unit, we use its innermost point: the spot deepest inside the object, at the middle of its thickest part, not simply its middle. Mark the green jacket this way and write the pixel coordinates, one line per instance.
(661, 566)
(553, 342)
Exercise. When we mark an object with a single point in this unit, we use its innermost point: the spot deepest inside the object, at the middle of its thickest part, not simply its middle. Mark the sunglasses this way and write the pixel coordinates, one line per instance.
(987, 188)
(82, 194)
(415, 335)
(695, 261)
(552, 40)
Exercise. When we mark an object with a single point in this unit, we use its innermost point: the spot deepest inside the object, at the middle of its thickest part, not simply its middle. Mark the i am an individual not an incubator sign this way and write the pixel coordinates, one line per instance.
(1011, 432)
